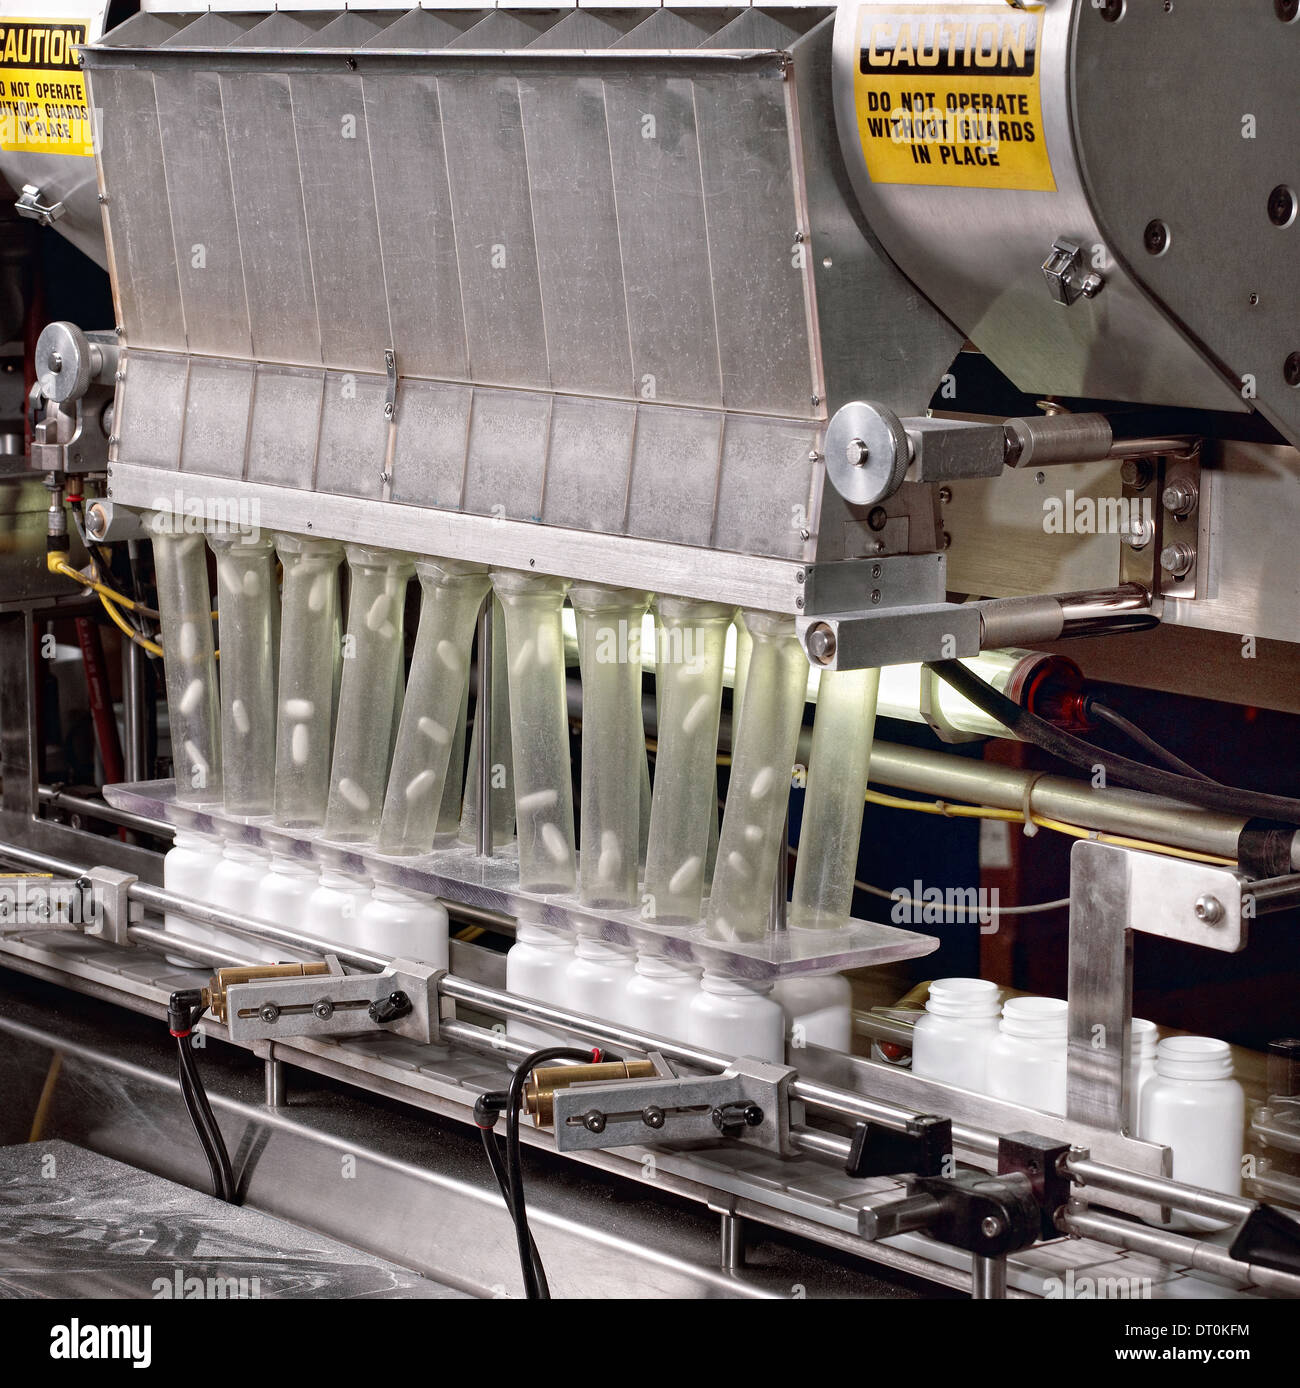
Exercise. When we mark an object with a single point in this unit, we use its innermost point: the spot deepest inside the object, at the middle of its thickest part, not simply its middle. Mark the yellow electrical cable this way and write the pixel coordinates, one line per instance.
(127, 630)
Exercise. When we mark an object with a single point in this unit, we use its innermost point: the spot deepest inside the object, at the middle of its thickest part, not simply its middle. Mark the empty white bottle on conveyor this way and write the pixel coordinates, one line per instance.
(1194, 1107)
(405, 925)
(736, 1017)
(1142, 1067)
(535, 968)
(187, 870)
(1026, 1063)
(818, 1011)
(951, 1038)
(659, 994)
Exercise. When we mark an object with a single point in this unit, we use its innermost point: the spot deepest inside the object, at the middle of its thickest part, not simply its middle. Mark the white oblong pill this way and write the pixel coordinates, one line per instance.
(434, 731)
(686, 875)
(537, 800)
(318, 593)
(610, 862)
(300, 744)
(695, 714)
(239, 716)
(189, 641)
(738, 863)
(450, 656)
(299, 708)
(555, 842)
(354, 794)
(192, 697)
(420, 785)
(252, 584)
(378, 613)
(763, 783)
(197, 760)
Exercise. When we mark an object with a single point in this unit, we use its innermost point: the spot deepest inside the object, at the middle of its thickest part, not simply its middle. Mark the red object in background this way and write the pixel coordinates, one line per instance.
(101, 701)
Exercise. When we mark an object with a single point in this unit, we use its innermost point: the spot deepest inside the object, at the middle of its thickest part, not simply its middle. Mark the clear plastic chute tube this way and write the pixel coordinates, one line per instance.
(613, 742)
(372, 655)
(450, 813)
(837, 786)
(539, 729)
(306, 689)
(683, 815)
(503, 788)
(189, 660)
(764, 748)
(451, 595)
(247, 599)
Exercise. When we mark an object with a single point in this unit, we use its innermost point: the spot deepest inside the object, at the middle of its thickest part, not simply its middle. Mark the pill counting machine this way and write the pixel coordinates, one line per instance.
(569, 313)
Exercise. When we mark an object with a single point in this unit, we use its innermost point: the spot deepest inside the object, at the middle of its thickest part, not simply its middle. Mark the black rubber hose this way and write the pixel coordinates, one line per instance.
(205, 1124)
(535, 1286)
(1121, 771)
(1095, 708)
(498, 1164)
(192, 1108)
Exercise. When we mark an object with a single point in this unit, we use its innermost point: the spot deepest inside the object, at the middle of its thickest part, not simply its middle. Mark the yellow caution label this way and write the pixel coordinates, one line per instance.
(950, 97)
(43, 107)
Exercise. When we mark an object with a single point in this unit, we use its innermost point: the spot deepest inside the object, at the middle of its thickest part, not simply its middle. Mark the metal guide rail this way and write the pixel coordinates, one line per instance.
(1041, 1179)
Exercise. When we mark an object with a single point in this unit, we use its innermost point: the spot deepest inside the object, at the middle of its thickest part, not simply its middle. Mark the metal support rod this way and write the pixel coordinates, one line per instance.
(733, 1242)
(483, 723)
(134, 716)
(1177, 1249)
(988, 1278)
(275, 1090)
(80, 804)
(1193, 1199)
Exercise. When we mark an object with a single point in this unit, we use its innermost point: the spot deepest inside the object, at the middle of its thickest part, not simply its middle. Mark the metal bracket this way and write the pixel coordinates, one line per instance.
(390, 393)
(1068, 279)
(31, 903)
(749, 1101)
(890, 636)
(30, 206)
(337, 1004)
(113, 910)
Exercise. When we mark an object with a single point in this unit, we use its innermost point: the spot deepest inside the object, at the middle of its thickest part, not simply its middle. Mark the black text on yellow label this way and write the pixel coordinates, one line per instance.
(951, 97)
(43, 108)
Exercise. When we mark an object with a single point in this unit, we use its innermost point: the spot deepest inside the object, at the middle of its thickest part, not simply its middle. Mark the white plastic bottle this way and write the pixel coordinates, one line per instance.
(282, 898)
(1196, 1108)
(335, 906)
(1142, 1066)
(659, 994)
(818, 1010)
(535, 968)
(1026, 1059)
(237, 887)
(187, 870)
(406, 925)
(596, 980)
(735, 1017)
(951, 1039)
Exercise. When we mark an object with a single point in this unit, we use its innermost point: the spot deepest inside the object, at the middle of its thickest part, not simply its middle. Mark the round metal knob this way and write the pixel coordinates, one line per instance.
(867, 452)
(64, 362)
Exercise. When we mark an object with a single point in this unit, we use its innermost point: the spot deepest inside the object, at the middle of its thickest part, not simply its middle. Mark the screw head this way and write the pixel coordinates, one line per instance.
(821, 643)
(877, 518)
(1135, 472)
(1281, 206)
(857, 452)
(652, 1117)
(269, 1012)
(324, 1009)
(593, 1120)
(1208, 909)
(1286, 10)
(1291, 369)
(991, 1226)
(875, 596)
(1177, 559)
(945, 495)
(1156, 237)
(1179, 498)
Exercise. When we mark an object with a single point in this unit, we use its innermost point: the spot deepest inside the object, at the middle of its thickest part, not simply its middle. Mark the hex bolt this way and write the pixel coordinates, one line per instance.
(1177, 559)
(1208, 909)
(1179, 498)
(593, 1120)
(1140, 535)
(652, 1117)
(1135, 472)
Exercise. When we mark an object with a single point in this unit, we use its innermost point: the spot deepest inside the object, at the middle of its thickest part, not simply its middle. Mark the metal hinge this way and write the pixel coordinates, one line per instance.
(1066, 275)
